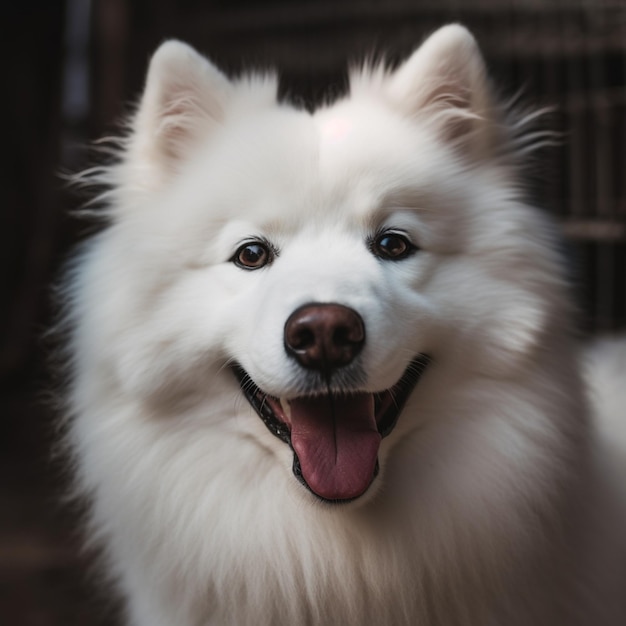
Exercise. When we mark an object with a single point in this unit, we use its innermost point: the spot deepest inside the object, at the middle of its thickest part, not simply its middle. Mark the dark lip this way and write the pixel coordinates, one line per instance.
(398, 395)
(258, 400)
(389, 405)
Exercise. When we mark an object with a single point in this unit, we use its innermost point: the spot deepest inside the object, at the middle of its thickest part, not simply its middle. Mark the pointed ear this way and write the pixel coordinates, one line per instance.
(184, 97)
(446, 77)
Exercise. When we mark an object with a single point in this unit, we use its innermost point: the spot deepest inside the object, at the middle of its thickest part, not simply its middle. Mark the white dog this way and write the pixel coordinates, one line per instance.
(323, 366)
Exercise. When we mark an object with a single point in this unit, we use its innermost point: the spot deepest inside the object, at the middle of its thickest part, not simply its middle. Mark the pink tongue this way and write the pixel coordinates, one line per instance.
(336, 440)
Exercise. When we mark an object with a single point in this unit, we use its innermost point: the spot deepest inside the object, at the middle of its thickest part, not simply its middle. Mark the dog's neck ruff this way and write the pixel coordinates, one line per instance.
(334, 437)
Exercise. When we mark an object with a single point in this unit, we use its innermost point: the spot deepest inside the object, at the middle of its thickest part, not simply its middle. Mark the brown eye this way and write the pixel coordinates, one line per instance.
(253, 255)
(392, 246)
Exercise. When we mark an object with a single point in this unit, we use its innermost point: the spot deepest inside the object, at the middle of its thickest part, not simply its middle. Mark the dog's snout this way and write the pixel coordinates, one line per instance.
(324, 336)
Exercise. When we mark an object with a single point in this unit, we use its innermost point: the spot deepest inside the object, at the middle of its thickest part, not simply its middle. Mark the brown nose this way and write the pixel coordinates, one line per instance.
(324, 336)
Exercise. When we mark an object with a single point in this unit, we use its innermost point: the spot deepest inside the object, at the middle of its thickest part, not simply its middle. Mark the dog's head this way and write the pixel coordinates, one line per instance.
(318, 264)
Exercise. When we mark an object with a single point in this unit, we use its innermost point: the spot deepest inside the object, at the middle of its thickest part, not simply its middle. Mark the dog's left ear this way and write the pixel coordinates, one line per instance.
(446, 78)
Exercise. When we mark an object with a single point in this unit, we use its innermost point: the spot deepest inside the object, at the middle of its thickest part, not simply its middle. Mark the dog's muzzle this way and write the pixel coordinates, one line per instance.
(335, 436)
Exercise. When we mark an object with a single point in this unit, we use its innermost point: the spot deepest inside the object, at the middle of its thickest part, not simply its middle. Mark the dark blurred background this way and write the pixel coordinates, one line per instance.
(70, 68)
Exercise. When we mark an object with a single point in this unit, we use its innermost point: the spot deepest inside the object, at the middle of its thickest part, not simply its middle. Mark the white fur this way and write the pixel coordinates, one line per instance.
(487, 511)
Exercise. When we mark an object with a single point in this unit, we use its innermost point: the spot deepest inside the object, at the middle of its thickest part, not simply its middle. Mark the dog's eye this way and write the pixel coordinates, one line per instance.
(392, 246)
(253, 255)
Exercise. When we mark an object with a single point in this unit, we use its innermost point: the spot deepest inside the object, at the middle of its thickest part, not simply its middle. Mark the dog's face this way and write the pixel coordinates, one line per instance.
(319, 264)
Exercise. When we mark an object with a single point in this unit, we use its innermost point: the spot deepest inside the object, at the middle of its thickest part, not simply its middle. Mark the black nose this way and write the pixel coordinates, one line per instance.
(324, 336)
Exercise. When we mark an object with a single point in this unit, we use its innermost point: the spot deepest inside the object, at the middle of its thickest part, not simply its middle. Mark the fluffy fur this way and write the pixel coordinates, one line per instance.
(488, 509)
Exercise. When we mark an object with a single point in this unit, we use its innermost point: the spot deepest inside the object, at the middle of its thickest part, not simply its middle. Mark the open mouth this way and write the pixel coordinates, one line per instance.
(334, 437)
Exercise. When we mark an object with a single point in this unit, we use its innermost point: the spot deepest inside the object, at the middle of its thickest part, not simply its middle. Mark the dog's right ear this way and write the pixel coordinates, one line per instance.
(184, 97)
(446, 78)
